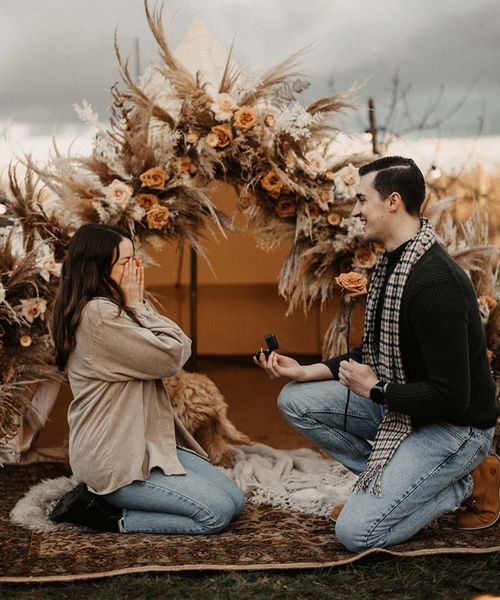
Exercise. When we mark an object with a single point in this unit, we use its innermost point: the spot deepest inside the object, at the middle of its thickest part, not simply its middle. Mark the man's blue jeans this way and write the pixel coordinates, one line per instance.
(202, 501)
(428, 475)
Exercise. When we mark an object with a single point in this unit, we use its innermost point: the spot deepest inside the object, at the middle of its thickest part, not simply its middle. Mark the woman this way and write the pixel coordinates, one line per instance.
(126, 444)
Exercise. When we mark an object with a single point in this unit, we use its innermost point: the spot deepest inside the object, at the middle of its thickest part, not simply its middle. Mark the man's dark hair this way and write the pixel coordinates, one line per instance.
(401, 175)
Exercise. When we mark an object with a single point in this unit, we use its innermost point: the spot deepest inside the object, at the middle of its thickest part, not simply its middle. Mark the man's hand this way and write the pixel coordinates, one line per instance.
(278, 366)
(358, 378)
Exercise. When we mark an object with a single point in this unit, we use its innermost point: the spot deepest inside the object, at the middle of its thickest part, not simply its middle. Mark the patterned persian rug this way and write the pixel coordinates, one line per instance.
(265, 537)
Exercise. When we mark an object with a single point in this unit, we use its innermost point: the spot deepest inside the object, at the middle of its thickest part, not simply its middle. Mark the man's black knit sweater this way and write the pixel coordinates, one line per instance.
(443, 346)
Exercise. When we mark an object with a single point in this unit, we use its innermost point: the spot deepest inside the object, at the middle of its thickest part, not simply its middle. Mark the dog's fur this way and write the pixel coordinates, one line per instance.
(203, 411)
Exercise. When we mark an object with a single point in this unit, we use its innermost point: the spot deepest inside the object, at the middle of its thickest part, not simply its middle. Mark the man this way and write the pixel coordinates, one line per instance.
(422, 407)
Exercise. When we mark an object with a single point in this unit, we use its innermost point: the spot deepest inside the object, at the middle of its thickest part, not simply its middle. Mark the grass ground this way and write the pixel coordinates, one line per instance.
(422, 578)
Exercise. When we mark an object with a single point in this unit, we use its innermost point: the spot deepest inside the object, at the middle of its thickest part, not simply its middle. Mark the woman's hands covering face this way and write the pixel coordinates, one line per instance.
(132, 282)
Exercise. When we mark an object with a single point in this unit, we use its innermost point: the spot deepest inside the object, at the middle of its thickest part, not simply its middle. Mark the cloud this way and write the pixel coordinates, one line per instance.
(57, 52)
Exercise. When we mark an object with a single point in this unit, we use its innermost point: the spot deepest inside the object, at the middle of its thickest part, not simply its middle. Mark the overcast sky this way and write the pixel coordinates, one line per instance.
(57, 52)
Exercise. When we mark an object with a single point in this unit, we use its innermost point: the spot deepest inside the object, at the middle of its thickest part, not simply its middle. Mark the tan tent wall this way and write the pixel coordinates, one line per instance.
(238, 301)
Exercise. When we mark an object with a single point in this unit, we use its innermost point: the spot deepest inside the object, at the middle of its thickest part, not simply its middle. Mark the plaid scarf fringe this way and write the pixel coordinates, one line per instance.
(386, 360)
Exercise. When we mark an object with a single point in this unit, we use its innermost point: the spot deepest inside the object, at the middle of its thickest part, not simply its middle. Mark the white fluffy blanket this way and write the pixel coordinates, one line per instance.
(300, 480)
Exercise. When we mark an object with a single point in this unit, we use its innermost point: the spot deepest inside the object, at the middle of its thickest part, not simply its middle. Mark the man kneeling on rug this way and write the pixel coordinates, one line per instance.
(139, 468)
(422, 408)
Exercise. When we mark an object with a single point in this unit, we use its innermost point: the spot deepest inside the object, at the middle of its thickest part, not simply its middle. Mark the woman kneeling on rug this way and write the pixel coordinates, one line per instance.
(139, 468)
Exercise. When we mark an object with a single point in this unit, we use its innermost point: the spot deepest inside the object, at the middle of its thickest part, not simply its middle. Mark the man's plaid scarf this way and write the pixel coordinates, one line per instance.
(386, 360)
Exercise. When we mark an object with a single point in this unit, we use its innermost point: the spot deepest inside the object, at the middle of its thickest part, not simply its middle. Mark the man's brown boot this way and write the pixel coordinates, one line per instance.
(482, 509)
(336, 510)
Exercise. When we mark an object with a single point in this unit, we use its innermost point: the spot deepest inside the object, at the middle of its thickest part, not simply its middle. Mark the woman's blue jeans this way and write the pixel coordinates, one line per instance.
(202, 501)
(428, 475)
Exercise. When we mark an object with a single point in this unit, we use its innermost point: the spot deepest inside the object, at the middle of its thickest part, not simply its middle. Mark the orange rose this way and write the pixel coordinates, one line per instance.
(184, 165)
(364, 258)
(245, 118)
(378, 247)
(490, 355)
(220, 136)
(488, 300)
(334, 219)
(352, 284)
(286, 207)
(158, 217)
(154, 178)
(272, 183)
(313, 210)
(146, 201)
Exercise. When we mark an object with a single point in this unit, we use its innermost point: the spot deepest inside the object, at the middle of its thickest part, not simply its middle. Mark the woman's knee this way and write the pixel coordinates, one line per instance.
(238, 498)
(217, 513)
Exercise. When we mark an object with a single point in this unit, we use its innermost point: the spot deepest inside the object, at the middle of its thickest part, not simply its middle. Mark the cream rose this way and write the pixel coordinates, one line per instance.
(346, 181)
(352, 284)
(223, 107)
(119, 192)
(314, 164)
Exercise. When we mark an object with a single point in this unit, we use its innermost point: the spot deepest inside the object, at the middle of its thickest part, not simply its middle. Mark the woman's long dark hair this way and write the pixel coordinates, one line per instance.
(85, 274)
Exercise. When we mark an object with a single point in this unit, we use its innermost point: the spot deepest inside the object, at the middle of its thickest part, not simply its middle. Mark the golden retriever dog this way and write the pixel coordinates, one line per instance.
(203, 411)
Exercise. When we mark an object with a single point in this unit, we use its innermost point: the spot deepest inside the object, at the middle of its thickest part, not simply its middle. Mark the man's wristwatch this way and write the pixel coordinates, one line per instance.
(377, 393)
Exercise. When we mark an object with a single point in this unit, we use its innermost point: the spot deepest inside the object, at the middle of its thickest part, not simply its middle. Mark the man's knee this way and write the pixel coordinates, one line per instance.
(290, 399)
(356, 533)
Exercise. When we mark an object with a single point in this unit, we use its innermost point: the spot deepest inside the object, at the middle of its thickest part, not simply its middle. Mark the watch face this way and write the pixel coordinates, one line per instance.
(377, 393)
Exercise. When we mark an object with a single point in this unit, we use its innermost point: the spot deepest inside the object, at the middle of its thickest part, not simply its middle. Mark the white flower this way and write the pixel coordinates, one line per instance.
(87, 115)
(47, 265)
(355, 227)
(223, 107)
(2, 293)
(32, 308)
(314, 164)
(296, 121)
(119, 193)
(346, 181)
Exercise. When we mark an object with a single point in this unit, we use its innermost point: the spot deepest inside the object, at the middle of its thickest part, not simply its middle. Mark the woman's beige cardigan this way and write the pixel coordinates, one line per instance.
(121, 422)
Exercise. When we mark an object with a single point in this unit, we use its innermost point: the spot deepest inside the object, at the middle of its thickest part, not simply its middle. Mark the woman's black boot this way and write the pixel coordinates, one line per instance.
(81, 507)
